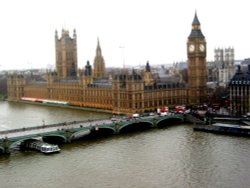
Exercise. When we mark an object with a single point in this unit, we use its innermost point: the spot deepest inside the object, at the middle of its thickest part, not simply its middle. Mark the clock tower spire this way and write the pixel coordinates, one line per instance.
(197, 66)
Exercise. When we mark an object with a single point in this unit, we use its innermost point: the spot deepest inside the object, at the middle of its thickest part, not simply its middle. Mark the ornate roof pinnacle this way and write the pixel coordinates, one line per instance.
(196, 20)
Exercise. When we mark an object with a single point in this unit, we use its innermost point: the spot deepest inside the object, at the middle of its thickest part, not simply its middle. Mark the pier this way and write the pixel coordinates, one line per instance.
(69, 131)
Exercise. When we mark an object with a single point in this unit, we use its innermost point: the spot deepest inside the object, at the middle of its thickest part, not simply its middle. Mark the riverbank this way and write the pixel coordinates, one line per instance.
(65, 106)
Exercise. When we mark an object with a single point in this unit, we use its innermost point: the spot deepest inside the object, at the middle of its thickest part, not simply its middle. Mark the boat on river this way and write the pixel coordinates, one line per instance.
(43, 147)
(223, 128)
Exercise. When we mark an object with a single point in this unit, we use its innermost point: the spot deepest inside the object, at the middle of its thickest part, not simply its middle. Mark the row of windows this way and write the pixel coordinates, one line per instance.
(69, 55)
(149, 104)
(241, 82)
(66, 98)
(174, 93)
(235, 88)
(241, 91)
(98, 100)
(16, 82)
(166, 94)
(126, 96)
(159, 88)
(65, 92)
(129, 86)
(97, 93)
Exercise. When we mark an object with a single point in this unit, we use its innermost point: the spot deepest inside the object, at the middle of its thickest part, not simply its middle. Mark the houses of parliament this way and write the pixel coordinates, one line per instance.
(120, 93)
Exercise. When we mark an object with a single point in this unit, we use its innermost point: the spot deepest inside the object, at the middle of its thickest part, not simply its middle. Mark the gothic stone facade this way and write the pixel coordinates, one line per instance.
(125, 93)
(239, 88)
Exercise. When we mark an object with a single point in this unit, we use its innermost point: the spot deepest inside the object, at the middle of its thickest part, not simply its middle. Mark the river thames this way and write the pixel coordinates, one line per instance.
(175, 156)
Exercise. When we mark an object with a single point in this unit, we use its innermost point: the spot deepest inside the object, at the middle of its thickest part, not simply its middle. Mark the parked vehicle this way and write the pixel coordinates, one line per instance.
(136, 115)
(180, 109)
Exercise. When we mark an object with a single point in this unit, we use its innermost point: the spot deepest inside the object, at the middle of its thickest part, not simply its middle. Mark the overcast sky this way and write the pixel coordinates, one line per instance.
(130, 31)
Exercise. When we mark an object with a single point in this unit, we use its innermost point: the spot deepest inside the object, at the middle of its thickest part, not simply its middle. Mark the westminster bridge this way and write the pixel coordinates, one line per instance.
(69, 131)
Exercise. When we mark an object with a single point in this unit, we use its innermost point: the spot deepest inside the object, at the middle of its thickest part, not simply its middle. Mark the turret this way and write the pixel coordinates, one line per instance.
(74, 33)
(56, 35)
(87, 79)
(148, 67)
(88, 69)
(148, 78)
(99, 64)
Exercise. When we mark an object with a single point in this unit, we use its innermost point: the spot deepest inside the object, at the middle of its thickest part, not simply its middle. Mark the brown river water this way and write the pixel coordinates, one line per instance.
(175, 156)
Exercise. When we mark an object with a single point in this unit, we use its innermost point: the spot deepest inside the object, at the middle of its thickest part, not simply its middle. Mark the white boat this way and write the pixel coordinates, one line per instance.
(43, 147)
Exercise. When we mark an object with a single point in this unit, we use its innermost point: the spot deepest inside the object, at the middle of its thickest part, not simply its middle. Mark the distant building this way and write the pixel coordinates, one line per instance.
(3, 84)
(239, 87)
(224, 62)
(213, 72)
(123, 92)
(244, 64)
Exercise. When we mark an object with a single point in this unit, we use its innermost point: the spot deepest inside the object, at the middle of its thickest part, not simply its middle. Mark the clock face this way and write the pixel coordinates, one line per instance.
(202, 48)
(191, 48)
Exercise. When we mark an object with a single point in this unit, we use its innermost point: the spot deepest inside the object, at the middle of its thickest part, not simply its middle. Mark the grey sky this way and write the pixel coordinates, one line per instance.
(154, 30)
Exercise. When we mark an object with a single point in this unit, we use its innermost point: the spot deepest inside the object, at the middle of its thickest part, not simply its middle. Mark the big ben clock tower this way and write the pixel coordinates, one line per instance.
(197, 66)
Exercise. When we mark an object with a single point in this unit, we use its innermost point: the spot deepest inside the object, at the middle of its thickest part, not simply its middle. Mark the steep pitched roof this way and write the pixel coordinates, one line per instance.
(196, 20)
(196, 31)
(240, 78)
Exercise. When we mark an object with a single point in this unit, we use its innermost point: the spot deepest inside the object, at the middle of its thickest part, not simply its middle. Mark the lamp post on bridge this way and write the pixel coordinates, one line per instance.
(68, 134)
(6, 144)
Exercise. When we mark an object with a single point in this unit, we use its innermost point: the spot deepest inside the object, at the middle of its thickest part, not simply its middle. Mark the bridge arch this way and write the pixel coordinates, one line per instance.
(51, 138)
(135, 126)
(1, 150)
(54, 138)
(169, 120)
(19, 142)
(101, 131)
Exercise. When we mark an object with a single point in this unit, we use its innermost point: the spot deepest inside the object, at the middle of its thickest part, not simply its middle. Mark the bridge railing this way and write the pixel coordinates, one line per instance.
(46, 126)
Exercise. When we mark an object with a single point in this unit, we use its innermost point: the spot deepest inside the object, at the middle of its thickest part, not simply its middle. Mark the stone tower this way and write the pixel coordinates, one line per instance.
(149, 81)
(218, 56)
(229, 60)
(88, 74)
(66, 55)
(197, 66)
(99, 64)
(224, 60)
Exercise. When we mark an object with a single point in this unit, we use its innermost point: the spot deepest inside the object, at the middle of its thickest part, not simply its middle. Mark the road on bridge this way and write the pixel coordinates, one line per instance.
(64, 126)
(44, 129)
